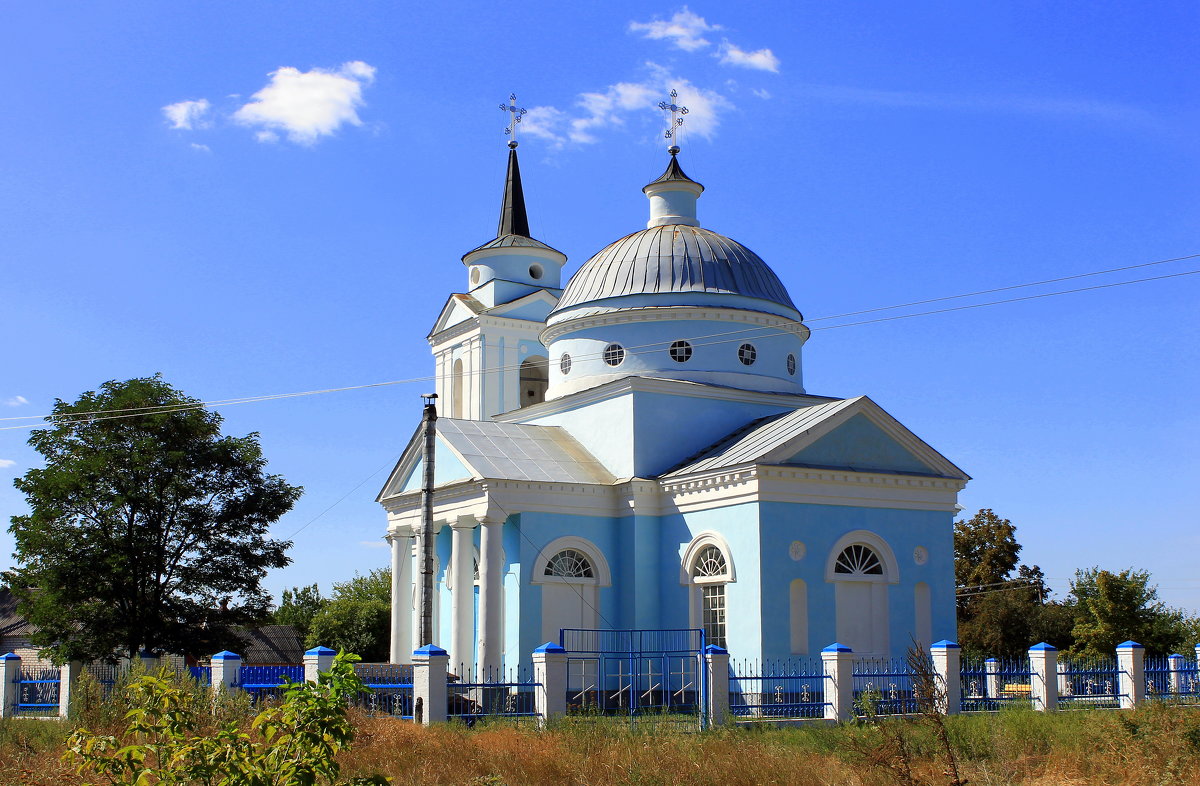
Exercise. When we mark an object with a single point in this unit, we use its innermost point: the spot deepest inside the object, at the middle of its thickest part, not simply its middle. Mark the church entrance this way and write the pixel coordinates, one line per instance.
(860, 581)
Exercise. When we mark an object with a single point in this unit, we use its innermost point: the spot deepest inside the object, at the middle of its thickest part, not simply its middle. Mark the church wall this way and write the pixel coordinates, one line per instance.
(819, 527)
(603, 428)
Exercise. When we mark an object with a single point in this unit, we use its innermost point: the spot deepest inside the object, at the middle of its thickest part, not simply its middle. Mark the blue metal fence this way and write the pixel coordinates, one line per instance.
(267, 682)
(389, 689)
(1172, 679)
(883, 687)
(991, 684)
(201, 674)
(1088, 683)
(37, 691)
(777, 689)
(495, 694)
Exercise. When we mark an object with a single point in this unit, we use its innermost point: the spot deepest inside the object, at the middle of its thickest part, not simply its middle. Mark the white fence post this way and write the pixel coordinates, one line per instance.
(225, 668)
(716, 665)
(317, 660)
(1131, 674)
(838, 663)
(550, 674)
(10, 667)
(991, 687)
(1043, 677)
(1175, 674)
(429, 684)
(947, 665)
(67, 674)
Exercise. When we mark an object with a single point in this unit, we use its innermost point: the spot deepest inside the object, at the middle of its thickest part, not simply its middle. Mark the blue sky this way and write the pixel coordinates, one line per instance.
(259, 198)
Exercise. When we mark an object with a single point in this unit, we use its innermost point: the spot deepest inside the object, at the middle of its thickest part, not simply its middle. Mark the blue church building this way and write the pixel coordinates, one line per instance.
(637, 449)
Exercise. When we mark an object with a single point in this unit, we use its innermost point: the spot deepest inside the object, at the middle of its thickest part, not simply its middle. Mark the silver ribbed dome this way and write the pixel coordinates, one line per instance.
(674, 259)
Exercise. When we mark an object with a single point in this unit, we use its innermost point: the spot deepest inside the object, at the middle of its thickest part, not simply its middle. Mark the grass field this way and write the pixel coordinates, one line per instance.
(1152, 745)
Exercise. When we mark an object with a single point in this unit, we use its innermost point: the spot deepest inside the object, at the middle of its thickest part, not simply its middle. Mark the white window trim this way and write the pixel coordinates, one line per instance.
(703, 539)
(891, 568)
(603, 577)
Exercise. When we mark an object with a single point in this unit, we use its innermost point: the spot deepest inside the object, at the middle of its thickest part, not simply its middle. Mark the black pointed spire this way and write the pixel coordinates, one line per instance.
(513, 219)
(673, 173)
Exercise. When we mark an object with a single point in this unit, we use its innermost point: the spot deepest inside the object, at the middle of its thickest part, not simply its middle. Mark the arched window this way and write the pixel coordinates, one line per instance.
(456, 389)
(858, 559)
(570, 564)
(535, 378)
(709, 572)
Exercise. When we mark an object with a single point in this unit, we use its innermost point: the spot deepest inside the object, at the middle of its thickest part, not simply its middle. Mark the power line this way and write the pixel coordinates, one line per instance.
(759, 332)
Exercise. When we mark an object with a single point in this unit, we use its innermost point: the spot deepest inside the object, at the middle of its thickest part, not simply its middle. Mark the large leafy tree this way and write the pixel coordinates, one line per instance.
(148, 528)
(297, 608)
(357, 617)
(1114, 607)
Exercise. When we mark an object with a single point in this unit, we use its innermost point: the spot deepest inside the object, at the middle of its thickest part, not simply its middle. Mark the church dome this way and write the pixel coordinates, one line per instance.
(673, 259)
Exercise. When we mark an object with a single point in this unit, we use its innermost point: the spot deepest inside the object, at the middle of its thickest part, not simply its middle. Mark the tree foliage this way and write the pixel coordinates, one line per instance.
(148, 528)
(357, 616)
(294, 743)
(1114, 607)
(297, 608)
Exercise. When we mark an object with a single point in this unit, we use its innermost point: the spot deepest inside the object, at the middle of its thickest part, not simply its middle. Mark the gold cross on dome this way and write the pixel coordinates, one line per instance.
(514, 118)
(676, 121)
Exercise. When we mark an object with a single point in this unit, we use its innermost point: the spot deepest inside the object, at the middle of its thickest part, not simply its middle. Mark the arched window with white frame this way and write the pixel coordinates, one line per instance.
(861, 565)
(708, 569)
(570, 572)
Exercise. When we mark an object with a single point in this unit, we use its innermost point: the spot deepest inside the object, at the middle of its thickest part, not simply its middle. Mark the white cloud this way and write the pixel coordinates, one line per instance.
(6, 463)
(201, 148)
(15, 401)
(624, 101)
(760, 59)
(306, 105)
(187, 115)
(685, 30)
(763, 94)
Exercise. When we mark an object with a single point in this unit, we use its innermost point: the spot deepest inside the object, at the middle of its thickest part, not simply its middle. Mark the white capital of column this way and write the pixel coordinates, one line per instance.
(462, 595)
(491, 601)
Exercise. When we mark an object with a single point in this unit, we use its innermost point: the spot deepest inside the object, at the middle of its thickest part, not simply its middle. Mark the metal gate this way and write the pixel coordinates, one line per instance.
(646, 676)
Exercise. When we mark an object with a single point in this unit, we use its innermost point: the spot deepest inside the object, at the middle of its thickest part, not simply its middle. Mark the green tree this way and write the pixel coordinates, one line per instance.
(297, 608)
(1116, 607)
(148, 528)
(357, 617)
(985, 551)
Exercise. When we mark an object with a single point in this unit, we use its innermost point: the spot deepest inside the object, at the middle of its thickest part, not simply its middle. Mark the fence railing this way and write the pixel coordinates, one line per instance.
(1172, 679)
(777, 689)
(1093, 683)
(507, 693)
(389, 689)
(267, 683)
(37, 691)
(883, 686)
(988, 685)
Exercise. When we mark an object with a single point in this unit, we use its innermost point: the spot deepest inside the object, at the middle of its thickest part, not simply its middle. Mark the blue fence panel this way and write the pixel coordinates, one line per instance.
(991, 684)
(265, 682)
(495, 694)
(1172, 680)
(1088, 683)
(201, 674)
(780, 689)
(661, 686)
(37, 691)
(389, 689)
(884, 687)
(614, 642)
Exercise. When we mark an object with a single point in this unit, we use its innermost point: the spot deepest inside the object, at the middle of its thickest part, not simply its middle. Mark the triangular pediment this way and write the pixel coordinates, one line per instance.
(535, 306)
(408, 474)
(458, 309)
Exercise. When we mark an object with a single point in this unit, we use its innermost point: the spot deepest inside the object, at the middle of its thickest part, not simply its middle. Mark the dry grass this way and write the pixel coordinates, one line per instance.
(1150, 746)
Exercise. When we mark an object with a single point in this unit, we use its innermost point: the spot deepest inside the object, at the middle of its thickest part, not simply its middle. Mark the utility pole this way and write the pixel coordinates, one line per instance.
(429, 431)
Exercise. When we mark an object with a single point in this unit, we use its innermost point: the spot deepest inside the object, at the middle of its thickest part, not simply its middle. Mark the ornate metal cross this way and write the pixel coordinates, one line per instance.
(676, 119)
(514, 118)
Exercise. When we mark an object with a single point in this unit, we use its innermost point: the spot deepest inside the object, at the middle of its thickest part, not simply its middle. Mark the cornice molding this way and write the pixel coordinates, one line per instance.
(674, 313)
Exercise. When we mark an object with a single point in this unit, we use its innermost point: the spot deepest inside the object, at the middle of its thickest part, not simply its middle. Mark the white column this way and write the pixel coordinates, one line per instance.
(1174, 675)
(317, 660)
(225, 668)
(1131, 674)
(1043, 678)
(401, 642)
(429, 684)
(10, 667)
(947, 664)
(550, 673)
(838, 662)
(68, 673)
(991, 667)
(462, 595)
(716, 662)
(491, 578)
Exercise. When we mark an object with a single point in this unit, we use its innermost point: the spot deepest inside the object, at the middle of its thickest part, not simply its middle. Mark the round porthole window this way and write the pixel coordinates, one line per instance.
(564, 364)
(681, 351)
(791, 365)
(535, 271)
(747, 354)
(614, 354)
